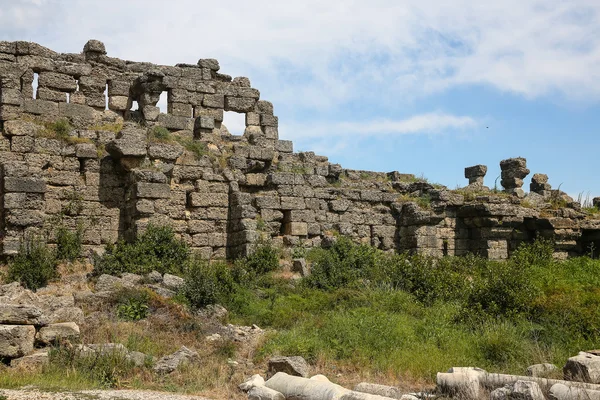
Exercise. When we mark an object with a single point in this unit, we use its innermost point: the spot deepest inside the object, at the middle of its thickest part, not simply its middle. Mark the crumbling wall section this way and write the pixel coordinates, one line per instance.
(91, 150)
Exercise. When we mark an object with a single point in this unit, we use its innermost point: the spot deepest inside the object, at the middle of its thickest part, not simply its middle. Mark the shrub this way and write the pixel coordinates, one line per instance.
(68, 244)
(207, 284)
(264, 259)
(156, 249)
(34, 265)
(133, 305)
(341, 265)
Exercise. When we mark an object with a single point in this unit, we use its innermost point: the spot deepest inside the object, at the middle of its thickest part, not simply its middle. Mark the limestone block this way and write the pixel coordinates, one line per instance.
(23, 201)
(73, 110)
(10, 112)
(65, 314)
(8, 47)
(213, 101)
(584, 367)
(541, 370)
(151, 113)
(264, 393)
(31, 362)
(175, 122)
(239, 104)
(170, 363)
(152, 190)
(284, 146)
(271, 132)
(165, 151)
(172, 282)
(295, 366)
(253, 119)
(11, 96)
(73, 69)
(20, 314)
(54, 332)
(296, 228)
(94, 46)
(180, 109)
(118, 88)
(86, 150)
(119, 148)
(209, 63)
(292, 203)
(204, 122)
(24, 185)
(60, 82)
(215, 113)
(16, 340)
(52, 95)
(41, 107)
(118, 103)
(209, 199)
(269, 120)
(21, 128)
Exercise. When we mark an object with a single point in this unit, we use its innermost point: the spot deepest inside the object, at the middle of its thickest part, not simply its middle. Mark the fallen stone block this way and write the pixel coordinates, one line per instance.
(584, 367)
(170, 363)
(264, 393)
(32, 361)
(20, 314)
(55, 332)
(296, 366)
(16, 340)
(254, 380)
(381, 390)
(541, 370)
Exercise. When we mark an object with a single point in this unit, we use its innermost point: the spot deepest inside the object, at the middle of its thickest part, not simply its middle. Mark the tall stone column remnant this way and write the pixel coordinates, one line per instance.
(514, 170)
(475, 175)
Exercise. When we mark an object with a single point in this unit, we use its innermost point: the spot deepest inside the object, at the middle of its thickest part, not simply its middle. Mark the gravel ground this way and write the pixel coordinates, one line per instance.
(94, 395)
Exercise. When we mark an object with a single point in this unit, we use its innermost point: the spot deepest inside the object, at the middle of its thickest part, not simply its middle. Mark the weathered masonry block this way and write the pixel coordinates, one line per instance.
(78, 152)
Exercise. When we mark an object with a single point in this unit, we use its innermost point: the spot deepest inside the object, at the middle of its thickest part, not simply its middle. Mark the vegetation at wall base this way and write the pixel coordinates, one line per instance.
(156, 249)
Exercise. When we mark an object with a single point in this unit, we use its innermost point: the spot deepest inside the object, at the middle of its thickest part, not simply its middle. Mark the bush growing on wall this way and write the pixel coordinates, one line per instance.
(156, 249)
(34, 266)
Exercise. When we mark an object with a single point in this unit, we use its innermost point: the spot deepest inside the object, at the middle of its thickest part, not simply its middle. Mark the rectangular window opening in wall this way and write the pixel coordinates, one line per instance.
(234, 122)
(163, 103)
(106, 97)
(68, 97)
(34, 84)
(193, 111)
(134, 106)
(77, 85)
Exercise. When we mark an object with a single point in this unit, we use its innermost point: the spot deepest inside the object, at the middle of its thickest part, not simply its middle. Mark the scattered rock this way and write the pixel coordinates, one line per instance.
(16, 340)
(213, 311)
(109, 283)
(254, 380)
(55, 332)
(296, 366)
(584, 367)
(299, 265)
(20, 314)
(264, 393)
(154, 277)
(541, 370)
(526, 390)
(172, 282)
(32, 361)
(381, 390)
(170, 363)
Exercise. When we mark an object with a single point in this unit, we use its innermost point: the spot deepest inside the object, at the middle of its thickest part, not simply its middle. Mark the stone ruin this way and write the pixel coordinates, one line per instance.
(125, 164)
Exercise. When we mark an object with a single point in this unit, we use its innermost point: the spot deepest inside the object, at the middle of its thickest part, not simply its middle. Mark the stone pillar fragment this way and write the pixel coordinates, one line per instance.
(475, 174)
(514, 170)
(539, 184)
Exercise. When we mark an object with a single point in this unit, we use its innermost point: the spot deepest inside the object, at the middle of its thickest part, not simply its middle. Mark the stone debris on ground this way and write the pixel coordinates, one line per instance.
(296, 366)
(171, 362)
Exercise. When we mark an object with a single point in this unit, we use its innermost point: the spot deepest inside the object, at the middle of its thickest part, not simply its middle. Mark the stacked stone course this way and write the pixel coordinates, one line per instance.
(111, 178)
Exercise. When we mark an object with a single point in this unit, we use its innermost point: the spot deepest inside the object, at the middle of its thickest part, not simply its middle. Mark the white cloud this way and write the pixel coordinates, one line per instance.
(319, 54)
(431, 124)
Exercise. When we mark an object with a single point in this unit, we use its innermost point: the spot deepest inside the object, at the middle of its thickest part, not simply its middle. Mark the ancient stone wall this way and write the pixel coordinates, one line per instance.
(80, 154)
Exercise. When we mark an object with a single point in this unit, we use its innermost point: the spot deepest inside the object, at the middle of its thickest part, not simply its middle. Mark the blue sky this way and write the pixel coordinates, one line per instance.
(425, 87)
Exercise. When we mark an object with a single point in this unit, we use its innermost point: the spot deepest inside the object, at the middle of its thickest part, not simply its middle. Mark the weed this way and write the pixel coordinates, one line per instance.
(74, 204)
(160, 134)
(35, 264)
(108, 127)
(68, 243)
(207, 284)
(61, 128)
(133, 305)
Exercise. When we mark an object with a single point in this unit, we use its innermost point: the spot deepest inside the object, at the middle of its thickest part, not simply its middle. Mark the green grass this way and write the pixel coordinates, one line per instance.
(412, 316)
